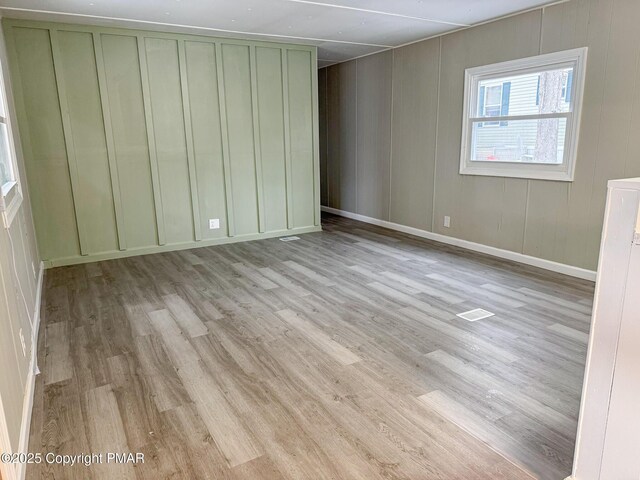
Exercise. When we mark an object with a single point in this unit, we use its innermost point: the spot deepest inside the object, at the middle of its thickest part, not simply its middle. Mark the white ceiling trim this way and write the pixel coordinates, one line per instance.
(378, 12)
(190, 27)
(542, 7)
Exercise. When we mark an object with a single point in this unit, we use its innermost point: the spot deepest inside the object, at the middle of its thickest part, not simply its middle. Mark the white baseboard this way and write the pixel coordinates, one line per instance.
(27, 407)
(476, 247)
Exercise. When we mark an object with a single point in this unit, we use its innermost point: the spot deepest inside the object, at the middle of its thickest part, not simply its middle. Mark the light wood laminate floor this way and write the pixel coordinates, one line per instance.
(336, 356)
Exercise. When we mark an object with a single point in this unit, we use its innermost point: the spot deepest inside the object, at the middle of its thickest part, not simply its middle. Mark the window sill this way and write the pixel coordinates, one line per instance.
(10, 202)
(511, 171)
(7, 187)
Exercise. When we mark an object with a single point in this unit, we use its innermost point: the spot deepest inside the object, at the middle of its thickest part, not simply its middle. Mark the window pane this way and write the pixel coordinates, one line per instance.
(492, 111)
(3, 110)
(523, 141)
(6, 170)
(494, 95)
(535, 93)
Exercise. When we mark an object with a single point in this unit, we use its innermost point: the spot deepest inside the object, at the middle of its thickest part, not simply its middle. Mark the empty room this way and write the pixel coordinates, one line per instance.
(309, 239)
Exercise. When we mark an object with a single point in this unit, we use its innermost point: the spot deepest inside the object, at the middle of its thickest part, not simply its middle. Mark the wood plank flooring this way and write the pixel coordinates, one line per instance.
(336, 356)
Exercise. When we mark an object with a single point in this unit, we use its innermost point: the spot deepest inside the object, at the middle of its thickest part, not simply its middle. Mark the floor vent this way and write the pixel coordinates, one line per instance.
(289, 239)
(475, 314)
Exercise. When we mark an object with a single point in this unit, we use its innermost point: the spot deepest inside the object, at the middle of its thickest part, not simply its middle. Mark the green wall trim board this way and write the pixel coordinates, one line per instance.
(110, 143)
(135, 139)
(100, 257)
(153, 156)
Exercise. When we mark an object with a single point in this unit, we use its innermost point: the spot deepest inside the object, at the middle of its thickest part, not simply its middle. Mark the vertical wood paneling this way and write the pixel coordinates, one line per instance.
(237, 84)
(479, 206)
(558, 221)
(257, 149)
(272, 136)
(126, 107)
(157, 133)
(151, 139)
(413, 142)
(302, 143)
(322, 134)
(22, 144)
(188, 130)
(17, 254)
(315, 135)
(225, 141)
(165, 97)
(13, 306)
(13, 382)
(616, 134)
(45, 154)
(95, 198)
(207, 139)
(373, 90)
(342, 150)
(69, 144)
(109, 139)
(555, 210)
(287, 138)
(609, 115)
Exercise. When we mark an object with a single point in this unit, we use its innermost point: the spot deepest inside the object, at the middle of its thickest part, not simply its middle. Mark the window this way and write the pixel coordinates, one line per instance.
(494, 101)
(10, 194)
(521, 118)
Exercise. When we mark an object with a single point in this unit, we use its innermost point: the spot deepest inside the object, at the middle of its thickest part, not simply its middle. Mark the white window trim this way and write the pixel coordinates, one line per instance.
(564, 172)
(9, 210)
(11, 192)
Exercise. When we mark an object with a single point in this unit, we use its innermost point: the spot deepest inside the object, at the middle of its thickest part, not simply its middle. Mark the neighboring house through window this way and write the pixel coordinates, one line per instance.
(521, 118)
(494, 102)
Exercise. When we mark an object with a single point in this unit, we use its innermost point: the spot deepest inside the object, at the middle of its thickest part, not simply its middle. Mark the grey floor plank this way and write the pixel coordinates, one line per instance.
(106, 433)
(185, 317)
(338, 356)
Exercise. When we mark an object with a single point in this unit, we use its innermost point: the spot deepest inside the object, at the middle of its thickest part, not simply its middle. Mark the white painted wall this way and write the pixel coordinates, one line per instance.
(608, 444)
(20, 272)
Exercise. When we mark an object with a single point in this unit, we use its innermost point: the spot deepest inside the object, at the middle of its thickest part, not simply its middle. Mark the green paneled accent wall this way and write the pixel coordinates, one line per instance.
(272, 140)
(134, 140)
(124, 108)
(206, 135)
(242, 152)
(301, 138)
(44, 146)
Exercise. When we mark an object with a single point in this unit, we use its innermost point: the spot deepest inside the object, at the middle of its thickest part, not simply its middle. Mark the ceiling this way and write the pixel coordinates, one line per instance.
(341, 29)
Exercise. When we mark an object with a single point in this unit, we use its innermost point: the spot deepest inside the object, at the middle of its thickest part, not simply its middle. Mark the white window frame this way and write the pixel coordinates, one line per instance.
(11, 192)
(576, 59)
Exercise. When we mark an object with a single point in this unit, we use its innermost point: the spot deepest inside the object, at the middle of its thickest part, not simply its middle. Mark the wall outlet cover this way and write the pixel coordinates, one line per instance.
(447, 221)
(214, 223)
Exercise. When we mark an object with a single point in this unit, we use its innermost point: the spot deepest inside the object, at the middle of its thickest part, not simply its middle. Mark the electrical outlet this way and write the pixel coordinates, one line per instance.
(214, 223)
(22, 342)
(447, 221)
